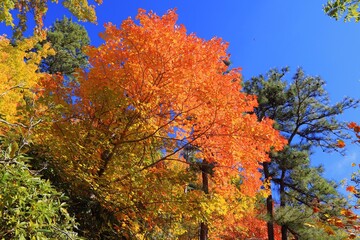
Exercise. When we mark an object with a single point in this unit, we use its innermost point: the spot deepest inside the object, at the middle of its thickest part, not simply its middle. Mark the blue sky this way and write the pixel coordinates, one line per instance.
(263, 35)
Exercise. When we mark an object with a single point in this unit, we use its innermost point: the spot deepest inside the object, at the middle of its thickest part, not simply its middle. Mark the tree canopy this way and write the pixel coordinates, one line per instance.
(153, 135)
(151, 91)
(80, 8)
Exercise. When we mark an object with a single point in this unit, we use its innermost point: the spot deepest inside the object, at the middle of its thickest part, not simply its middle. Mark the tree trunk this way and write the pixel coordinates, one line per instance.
(203, 231)
(269, 204)
(283, 203)
(205, 186)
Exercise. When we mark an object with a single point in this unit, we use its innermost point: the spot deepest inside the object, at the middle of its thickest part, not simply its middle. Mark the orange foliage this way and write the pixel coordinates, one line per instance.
(167, 74)
(354, 126)
(151, 91)
(340, 144)
(351, 189)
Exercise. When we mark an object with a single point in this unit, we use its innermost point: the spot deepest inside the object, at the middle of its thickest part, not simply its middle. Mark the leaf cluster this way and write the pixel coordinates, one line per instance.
(29, 206)
(349, 9)
(79, 8)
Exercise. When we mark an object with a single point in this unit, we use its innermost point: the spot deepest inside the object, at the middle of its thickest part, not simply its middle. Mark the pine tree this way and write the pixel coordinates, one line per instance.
(355, 177)
(304, 115)
(68, 39)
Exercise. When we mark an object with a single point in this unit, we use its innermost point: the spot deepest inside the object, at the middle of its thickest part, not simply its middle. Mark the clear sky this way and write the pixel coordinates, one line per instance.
(263, 35)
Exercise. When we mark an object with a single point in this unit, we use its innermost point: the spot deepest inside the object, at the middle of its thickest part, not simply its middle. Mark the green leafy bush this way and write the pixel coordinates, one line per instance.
(30, 208)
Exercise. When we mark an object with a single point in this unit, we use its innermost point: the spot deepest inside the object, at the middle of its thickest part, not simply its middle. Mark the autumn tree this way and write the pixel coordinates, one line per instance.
(30, 207)
(80, 8)
(19, 82)
(117, 135)
(304, 115)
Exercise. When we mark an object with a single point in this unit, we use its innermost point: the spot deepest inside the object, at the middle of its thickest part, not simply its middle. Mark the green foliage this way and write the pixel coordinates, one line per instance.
(301, 108)
(68, 39)
(355, 179)
(304, 115)
(339, 8)
(30, 208)
(303, 220)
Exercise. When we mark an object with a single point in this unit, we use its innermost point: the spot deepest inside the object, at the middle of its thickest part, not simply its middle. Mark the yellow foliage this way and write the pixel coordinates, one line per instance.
(80, 8)
(152, 89)
(18, 77)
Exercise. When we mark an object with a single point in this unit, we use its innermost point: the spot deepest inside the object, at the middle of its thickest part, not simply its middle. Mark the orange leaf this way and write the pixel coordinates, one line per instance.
(340, 144)
(357, 129)
(352, 125)
(351, 189)
(316, 209)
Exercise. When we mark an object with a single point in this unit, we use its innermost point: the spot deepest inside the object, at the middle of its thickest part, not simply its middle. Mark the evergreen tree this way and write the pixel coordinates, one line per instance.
(68, 39)
(304, 115)
(355, 178)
